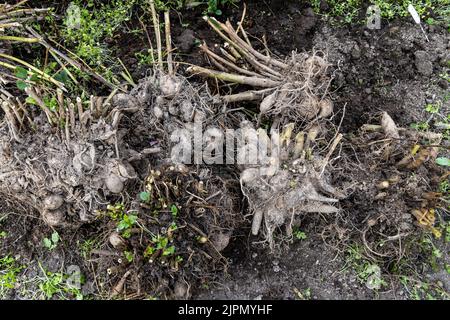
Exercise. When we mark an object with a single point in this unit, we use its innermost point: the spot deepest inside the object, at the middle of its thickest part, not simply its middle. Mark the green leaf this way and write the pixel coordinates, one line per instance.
(300, 235)
(163, 243)
(122, 225)
(55, 237)
(149, 251)
(174, 210)
(22, 85)
(443, 161)
(21, 73)
(47, 243)
(144, 196)
(30, 100)
(126, 234)
(169, 251)
(132, 219)
(34, 78)
(62, 76)
(129, 256)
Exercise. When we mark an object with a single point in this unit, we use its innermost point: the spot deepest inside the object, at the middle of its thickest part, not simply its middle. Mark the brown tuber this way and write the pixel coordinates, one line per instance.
(169, 86)
(383, 185)
(117, 241)
(326, 108)
(114, 183)
(389, 126)
(53, 218)
(268, 102)
(53, 202)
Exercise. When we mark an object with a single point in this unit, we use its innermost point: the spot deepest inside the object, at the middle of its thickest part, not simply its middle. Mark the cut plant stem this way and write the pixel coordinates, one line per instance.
(11, 120)
(245, 96)
(155, 19)
(168, 42)
(126, 74)
(230, 77)
(19, 39)
(330, 152)
(243, 44)
(33, 94)
(36, 70)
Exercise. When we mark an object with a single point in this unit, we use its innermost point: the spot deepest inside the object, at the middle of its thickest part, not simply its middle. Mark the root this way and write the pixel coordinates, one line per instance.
(229, 77)
(277, 195)
(296, 85)
(42, 165)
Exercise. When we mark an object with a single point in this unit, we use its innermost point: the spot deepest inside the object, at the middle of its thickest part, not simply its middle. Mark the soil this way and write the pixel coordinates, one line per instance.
(393, 69)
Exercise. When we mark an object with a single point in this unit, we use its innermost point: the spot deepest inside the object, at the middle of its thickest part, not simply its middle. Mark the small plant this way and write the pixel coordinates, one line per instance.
(145, 196)
(174, 210)
(125, 224)
(303, 294)
(432, 108)
(348, 11)
(429, 249)
(420, 126)
(300, 235)
(145, 59)
(51, 243)
(447, 233)
(367, 272)
(86, 247)
(419, 290)
(55, 284)
(430, 21)
(9, 270)
(125, 221)
(444, 187)
(89, 25)
(164, 5)
(159, 246)
(129, 256)
(213, 6)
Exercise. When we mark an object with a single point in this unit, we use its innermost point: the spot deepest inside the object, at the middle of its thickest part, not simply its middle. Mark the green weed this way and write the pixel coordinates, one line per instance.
(52, 242)
(349, 11)
(55, 284)
(125, 220)
(9, 270)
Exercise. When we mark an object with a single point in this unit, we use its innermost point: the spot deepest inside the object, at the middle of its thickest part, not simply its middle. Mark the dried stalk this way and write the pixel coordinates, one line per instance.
(168, 42)
(231, 65)
(229, 77)
(155, 19)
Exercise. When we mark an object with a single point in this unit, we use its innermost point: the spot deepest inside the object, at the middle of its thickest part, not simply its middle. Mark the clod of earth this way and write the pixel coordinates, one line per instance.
(65, 168)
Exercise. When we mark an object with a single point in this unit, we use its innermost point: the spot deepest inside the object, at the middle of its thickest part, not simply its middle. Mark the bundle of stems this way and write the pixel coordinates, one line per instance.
(266, 72)
(13, 15)
(168, 40)
(295, 88)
